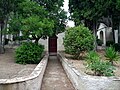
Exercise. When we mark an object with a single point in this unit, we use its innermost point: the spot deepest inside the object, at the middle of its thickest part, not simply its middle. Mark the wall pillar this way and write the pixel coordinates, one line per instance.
(116, 36)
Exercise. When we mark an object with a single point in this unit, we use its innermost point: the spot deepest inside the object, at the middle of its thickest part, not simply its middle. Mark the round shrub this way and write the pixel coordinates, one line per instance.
(29, 53)
(78, 39)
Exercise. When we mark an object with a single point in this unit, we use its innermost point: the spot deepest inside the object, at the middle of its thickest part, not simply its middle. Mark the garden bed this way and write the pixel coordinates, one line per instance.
(80, 64)
(9, 69)
(30, 81)
(76, 71)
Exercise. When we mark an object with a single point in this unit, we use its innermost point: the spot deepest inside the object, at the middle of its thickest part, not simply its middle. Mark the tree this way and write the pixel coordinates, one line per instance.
(88, 10)
(57, 14)
(49, 12)
(91, 11)
(6, 6)
(32, 20)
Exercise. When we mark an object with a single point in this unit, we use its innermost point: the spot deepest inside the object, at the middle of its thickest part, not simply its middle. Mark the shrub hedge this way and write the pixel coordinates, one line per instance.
(29, 53)
(78, 39)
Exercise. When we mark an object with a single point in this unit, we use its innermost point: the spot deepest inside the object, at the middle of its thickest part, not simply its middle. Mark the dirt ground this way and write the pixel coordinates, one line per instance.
(9, 69)
(80, 64)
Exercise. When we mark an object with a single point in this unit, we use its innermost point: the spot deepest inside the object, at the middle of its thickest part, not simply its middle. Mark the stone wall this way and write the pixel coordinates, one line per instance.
(31, 82)
(82, 81)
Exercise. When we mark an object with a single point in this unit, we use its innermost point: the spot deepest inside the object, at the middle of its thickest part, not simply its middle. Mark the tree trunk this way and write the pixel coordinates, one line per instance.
(95, 35)
(36, 40)
(115, 26)
(89, 24)
(2, 50)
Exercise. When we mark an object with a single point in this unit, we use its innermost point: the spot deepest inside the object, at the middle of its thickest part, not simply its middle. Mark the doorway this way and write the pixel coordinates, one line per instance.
(52, 47)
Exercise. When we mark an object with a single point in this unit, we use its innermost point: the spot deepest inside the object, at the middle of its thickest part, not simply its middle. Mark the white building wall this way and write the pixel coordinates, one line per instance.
(102, 28)
(60, 46)
(107, 33)
(45, 43)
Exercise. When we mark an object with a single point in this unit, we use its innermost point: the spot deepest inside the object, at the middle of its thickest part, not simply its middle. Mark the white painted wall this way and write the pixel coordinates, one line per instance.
(102, 28)
(45, 43)
(107, 33)
(60, 46)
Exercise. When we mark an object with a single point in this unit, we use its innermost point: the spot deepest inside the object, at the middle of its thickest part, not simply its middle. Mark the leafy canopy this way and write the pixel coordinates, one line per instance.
(93, 10)
(32, 20)
(57, 14)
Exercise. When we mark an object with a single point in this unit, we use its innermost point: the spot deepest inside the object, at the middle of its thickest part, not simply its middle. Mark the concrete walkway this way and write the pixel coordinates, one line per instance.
(55, 77)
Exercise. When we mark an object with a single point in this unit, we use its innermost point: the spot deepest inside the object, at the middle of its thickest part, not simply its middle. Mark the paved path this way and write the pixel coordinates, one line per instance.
(55, 77)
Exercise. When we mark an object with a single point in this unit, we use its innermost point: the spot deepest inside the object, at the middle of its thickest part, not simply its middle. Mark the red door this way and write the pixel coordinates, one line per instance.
(53, 45)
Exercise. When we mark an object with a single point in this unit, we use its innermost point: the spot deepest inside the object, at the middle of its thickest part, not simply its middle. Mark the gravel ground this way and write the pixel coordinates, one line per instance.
(9, 69)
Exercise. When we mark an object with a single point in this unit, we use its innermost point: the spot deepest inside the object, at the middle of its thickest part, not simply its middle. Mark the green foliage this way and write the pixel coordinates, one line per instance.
(102, 68)
(109, 43)
(29, 53)
(111, 54)
(32, 20)
(117, 47)
(92, 57)
(14, 26)
(78, 39)
(84, 9)
(99, 67)
(91, 11)
(19, 38)
(99, 42)
(56, 13)
(6, 6)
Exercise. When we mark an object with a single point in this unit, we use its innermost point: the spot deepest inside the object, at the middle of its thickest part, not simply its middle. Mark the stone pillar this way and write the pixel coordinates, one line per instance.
(116, 36)
(119, 34)
(104, 36)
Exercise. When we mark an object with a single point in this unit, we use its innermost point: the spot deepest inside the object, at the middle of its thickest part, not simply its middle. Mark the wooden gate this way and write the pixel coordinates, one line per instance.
(52, 47)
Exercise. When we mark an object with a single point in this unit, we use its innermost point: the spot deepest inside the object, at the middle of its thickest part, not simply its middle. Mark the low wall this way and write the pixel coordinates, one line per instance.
(31, 82)
(82, 81)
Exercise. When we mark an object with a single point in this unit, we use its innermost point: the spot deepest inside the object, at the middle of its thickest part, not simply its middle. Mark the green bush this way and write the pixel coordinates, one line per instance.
(92, 57)
(78, 39)
(109, 43)
(29, 53)
(111, 54)
(99, 67)
(20, 38)
(117, 46)
(102, 68)
(99, 42)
